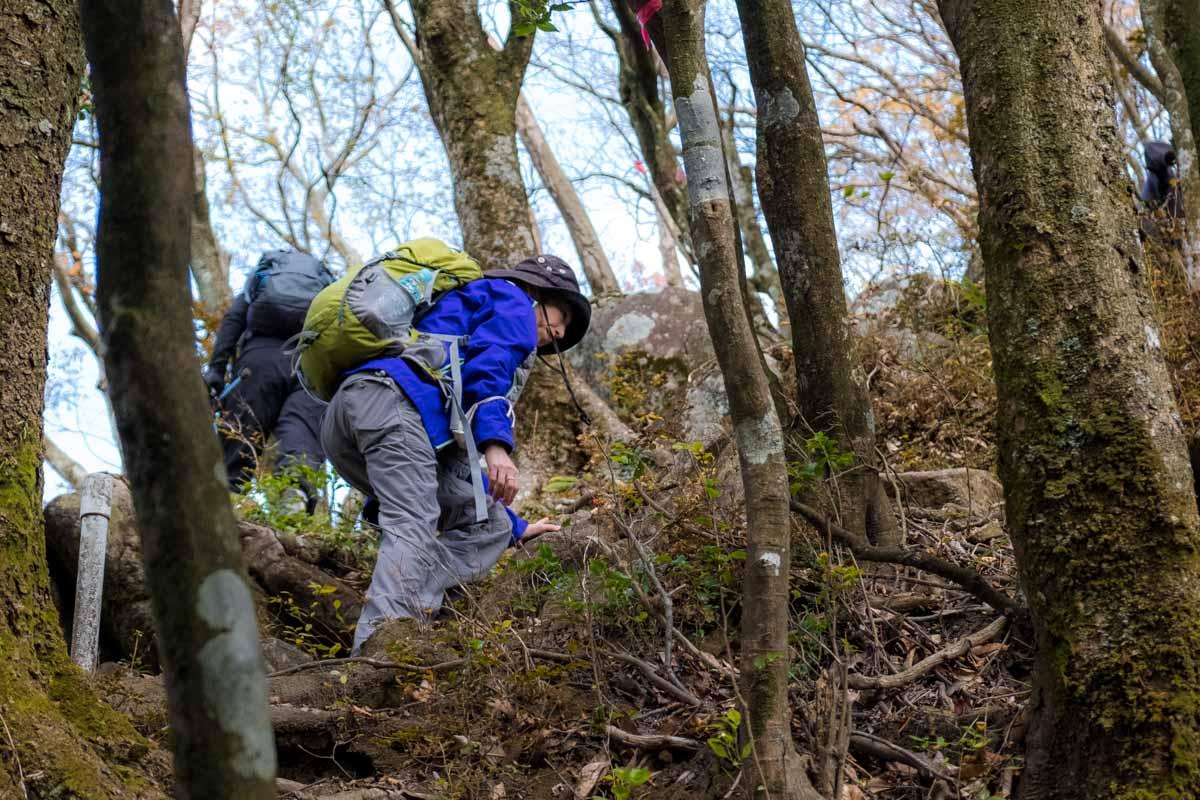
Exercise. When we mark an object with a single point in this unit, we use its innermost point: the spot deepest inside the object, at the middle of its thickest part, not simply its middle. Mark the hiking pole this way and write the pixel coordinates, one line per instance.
(245, 373)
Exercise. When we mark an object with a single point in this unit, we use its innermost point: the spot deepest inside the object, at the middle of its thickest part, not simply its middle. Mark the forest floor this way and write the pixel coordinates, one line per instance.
(602, 661)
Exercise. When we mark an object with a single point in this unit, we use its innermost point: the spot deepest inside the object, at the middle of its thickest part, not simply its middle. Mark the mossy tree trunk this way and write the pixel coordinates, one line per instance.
(64, 741)
(1096, 477)
(472, 92)
(773, 768)
(793, 185)
(206, 630)
(1180, 32)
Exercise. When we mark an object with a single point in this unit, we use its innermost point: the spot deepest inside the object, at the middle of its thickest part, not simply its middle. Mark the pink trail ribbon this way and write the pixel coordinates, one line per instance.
(643, 16)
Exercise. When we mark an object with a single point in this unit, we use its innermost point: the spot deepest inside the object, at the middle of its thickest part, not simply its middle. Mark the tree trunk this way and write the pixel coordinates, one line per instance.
(793, 186)
(1181, 34)
(210, 262)
(764, 277)
(1096, 477)
(207, 635)
(1187, 230)
(70, 469)
(765, 652)
(44, 698)
(638, 81)
(592, 258)
(472, 92)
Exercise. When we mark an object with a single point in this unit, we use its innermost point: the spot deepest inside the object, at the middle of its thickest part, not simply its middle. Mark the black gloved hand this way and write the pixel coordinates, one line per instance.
(214, 378)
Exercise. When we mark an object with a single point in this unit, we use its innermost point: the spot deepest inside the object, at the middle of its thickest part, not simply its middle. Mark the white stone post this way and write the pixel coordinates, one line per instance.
(94, 510)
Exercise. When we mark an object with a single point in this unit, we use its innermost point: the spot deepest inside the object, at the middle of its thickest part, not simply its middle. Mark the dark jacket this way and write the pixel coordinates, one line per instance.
(229, 334)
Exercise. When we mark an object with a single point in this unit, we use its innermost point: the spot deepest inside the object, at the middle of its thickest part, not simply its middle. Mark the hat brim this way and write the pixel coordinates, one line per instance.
(581, 309)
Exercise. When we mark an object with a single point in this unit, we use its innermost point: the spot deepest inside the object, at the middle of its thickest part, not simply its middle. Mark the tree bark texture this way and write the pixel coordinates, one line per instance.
(1181, 34)
(599, 271)
(210, 261)
(207, 635)
(472, 92)
(44, 697)
(757, 431)
(764, 277)
(793, 186)
(1174, 99)
(1096, 477)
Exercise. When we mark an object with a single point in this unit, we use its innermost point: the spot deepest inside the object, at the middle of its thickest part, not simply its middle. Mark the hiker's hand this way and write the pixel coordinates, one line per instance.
(214, 380)
(536, 529)
(502, 474)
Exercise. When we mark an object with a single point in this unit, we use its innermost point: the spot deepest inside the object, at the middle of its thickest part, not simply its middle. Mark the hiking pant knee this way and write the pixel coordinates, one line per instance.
(374, 436)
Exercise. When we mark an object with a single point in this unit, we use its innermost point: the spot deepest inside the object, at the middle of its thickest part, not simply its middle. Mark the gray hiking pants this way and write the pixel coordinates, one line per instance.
(373, 435)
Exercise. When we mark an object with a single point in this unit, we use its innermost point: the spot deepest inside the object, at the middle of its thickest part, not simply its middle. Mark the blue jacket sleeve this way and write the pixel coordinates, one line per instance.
(518, 526)
(503, 333)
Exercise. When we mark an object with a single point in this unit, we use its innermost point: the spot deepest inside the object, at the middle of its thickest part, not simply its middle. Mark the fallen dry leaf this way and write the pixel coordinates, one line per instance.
(589, 776)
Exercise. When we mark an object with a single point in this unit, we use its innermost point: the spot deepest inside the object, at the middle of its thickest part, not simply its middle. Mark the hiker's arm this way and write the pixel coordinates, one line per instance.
(503, 334)
(233, 324)
(518, 526)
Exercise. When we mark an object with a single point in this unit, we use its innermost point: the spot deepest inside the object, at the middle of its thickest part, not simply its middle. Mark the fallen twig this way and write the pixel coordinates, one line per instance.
(668, 605)
(652, 741)
(370, 662)
(647, 669)
(16, 758)
(674, 519)
(866, 744)
(925, 665)
(968, 579)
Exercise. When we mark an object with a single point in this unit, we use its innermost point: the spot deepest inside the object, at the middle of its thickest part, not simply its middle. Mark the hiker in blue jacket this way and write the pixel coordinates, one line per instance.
(388, 432)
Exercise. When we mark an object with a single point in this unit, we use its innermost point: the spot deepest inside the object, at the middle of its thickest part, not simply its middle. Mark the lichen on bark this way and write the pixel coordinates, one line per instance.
(1097, 484)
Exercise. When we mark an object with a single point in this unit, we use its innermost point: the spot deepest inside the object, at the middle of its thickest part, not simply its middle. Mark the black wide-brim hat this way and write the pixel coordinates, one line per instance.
(553, 275)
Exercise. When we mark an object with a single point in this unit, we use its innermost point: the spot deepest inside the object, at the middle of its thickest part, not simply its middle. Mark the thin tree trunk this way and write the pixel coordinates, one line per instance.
(793, 186)
(764, 276)
(599, 272)
(1175, 101)
(56, 737)
(207, 635)
(1097, 484)
(210, 261)
(668, 249)
(472, 93)
(772, 767)
(638, 80)
(1181, 34)
(71, 470)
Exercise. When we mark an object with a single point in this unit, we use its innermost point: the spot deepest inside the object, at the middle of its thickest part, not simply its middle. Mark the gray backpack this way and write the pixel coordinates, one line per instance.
(280, 290)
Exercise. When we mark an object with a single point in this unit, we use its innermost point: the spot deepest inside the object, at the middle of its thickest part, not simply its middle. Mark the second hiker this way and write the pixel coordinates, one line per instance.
(263, 397)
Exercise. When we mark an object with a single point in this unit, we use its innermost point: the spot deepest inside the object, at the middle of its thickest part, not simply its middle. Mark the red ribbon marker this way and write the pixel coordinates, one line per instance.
(643, 16)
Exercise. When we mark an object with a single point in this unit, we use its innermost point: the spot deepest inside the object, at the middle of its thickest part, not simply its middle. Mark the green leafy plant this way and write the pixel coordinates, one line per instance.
(624, 780)
(825, 458)
(561, 483)
(535, 15)
(629, 461)
(302, 626)
(724, 741)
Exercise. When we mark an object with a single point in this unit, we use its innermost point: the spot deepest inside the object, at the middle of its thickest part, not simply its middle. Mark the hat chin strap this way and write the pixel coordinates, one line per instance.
(562, 370)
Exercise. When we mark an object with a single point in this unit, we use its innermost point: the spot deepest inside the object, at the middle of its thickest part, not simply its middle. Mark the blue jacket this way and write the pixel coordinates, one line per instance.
(498, 320)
